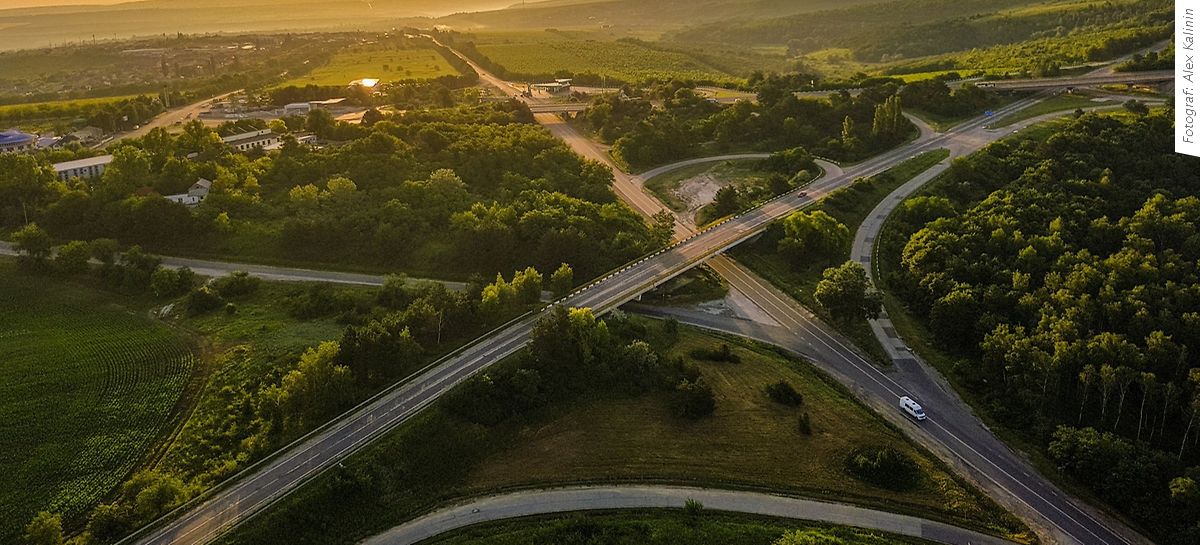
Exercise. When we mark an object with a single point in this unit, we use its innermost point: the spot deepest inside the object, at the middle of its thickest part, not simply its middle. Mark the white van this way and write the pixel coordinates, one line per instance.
(912, 408)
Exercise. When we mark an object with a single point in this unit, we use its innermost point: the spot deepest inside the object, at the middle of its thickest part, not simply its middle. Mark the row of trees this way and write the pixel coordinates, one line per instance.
(460, 191)
(844, 127)
(1064, 274)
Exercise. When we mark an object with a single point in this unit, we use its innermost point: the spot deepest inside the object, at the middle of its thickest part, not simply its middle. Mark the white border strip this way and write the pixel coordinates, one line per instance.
(1187, 23)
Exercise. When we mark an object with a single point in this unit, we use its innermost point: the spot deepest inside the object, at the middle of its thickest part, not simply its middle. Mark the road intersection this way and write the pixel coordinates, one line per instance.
(954, 431)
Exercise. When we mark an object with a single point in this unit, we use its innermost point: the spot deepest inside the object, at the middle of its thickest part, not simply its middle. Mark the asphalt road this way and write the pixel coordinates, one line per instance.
(564, 500)
(1087, 80)
(168, 119)
(210, 268)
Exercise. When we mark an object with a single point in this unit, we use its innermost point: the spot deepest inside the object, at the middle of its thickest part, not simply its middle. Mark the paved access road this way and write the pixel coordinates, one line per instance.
(168, 118)
(565, 500)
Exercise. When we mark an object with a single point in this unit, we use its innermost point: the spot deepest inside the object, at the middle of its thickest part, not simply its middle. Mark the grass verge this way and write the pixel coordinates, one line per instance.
(660, 527)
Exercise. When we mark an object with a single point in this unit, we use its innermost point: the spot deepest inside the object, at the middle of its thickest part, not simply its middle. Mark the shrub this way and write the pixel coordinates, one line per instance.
(804, 424)
(723, 353)
(784, 393)
(237, 284)
(44, 529)
(164, 282)
(72, 257)
(317, 301)
(885, 467)
(202, 300)
(695, 398)
(693, 507)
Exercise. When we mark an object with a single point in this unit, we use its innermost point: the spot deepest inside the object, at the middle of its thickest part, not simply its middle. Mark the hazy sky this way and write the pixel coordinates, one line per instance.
(32, 3)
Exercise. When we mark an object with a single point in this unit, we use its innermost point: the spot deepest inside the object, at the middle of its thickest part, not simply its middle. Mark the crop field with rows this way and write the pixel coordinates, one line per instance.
(546, 53)
(87, 387)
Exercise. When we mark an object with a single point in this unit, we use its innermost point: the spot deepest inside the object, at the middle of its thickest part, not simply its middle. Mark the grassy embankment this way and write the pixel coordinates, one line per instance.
(749, 442)
(1057, 103)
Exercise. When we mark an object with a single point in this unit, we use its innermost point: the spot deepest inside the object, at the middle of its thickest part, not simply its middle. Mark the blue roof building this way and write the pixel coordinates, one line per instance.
(13, 140)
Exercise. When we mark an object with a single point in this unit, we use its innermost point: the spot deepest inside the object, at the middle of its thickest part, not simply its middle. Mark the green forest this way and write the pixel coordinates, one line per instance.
(1061, 275)
(841, 128)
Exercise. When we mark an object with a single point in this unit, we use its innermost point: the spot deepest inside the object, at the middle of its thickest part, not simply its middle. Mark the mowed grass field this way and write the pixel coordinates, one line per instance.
(87, 387)
(387, 64)
(750, 441)
(538, 53)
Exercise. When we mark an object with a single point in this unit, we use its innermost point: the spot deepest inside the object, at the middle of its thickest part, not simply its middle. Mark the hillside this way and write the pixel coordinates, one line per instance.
(636, 15)
(35, 27)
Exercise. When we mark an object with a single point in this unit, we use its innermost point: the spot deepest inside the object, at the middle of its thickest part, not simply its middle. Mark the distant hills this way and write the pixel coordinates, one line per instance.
(634, 15)
(33, 27)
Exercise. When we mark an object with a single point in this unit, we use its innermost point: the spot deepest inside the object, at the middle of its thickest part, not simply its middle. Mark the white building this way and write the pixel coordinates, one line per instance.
(195, 194)
(265, 140)
(297, 108)
(91, 167)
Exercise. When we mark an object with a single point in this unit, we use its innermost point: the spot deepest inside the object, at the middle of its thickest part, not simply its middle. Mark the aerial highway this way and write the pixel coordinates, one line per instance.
(527, 503)
(258, 486)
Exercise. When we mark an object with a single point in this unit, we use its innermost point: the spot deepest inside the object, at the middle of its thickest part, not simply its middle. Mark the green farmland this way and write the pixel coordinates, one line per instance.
(543, 54)
(87, 387)
(385, 63)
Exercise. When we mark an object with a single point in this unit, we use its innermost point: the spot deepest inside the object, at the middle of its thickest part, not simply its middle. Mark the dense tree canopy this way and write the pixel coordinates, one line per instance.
(455, 191)
(643, 136)
(1065, 272)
